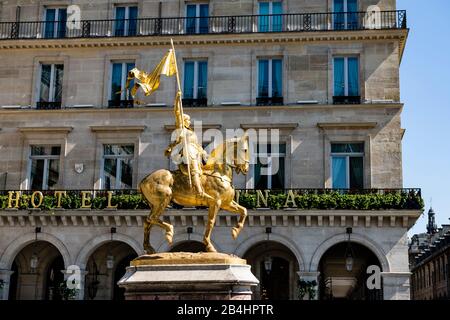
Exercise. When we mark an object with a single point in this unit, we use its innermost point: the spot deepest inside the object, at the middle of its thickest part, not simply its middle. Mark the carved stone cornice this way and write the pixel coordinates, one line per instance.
(211, 39)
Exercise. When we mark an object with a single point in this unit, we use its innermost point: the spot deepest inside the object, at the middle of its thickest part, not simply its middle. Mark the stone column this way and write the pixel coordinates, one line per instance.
(79, 276)
(396, 285)
(310, 276)
(5, 276)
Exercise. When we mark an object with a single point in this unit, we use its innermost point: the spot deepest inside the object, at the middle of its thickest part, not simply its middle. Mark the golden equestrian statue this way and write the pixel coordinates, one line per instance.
(195, 183)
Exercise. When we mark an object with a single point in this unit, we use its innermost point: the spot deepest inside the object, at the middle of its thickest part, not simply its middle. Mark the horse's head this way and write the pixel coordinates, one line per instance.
(242, 156)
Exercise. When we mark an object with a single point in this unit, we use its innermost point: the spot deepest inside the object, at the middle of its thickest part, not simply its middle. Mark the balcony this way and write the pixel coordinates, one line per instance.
(346, 100)
(201, 102)
(144, 27)
(269, 101)
(120, 104)
(45, 105)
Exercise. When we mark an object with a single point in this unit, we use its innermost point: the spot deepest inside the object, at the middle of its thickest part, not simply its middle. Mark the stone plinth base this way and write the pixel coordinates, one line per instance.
(188, 276)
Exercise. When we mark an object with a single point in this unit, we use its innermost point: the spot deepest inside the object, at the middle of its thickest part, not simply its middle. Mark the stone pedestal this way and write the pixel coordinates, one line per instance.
(188, 276)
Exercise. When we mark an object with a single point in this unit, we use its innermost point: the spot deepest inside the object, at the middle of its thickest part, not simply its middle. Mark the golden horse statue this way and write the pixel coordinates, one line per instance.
(163, 186)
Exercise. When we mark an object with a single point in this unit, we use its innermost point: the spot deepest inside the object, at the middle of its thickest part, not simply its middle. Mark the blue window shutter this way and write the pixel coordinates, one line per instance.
(119, 23)
(263, 22)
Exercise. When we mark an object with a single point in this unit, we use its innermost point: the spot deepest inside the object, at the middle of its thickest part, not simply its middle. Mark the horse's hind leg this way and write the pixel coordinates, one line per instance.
(236, 208)
(154, 219)
(212, 213)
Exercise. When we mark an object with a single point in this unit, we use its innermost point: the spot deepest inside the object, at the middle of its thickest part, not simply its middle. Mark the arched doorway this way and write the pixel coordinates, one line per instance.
(188, 246)
(276, 268)
(105, 266)
(38, 273)
(119, 293)
(344, 273)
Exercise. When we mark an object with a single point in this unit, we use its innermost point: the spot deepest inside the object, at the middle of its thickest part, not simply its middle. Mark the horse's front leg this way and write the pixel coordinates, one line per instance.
(236, 208)
(212, 214)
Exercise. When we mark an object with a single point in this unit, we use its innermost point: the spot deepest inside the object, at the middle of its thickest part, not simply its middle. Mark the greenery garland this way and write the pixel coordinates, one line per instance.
(306, 201)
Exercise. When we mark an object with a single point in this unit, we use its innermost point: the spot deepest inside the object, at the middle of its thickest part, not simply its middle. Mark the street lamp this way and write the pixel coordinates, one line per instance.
(110, 257)
(268, 259)
(34, 260)
(349, 256)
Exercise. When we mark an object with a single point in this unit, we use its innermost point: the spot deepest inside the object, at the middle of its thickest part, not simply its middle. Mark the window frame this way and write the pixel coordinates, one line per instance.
(52, 85)
(197, 16)
(346, 74)
(347, 156)
(195, 86)
(56, 21)
(118, 165)
(125, 94)
(46, 159)
(270, 77)
(126, 18)
(269, 156)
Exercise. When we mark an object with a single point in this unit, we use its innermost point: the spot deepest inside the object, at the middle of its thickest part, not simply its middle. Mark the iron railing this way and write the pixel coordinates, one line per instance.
(296, 22)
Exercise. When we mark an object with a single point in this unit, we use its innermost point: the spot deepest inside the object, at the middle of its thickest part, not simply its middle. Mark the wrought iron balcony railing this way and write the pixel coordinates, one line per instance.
(120, 104)
(45, 105)
(296, 22)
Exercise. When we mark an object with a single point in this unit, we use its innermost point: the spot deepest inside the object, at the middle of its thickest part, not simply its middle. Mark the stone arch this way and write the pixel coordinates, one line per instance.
(254, 240)
(13, 249)
(357, 238)
(96, 242)
(183, 237)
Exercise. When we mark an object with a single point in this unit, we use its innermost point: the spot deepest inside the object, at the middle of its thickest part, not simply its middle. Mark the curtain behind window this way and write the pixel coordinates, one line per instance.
(202, 79)
(339, 77)
(59, 72)
(132, 22)
(191, 13)
(339, 168)
(353, 77)
(263, 78)
(119, 23)
(50, 16)
(277, 21)
(204, 13)
(116, 81)
(356, 173)
(189, 79)
(263, 22)
(339, 16)
(44, 94)
(277, 78)
(62, 20)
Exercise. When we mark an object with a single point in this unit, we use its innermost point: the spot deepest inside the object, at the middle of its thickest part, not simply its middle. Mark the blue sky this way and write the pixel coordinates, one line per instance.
(425, 91)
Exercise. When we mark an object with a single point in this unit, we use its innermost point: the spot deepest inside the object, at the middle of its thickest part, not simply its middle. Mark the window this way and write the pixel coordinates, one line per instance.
(347, 165)
(50, 86)
(197, 18)
(195, 80)
(346, 80)
(270, 81)
(119, 73)
(44, 167)
(269, 169)
(117, 169)
(125, 23)
(345, 14)
(55, 22)
(271, 19)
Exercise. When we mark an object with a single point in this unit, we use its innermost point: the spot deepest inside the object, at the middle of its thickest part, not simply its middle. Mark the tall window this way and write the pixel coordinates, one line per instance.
(271, 19)
(347, 165)
(270, 79)
(119, 73)
(117, 171)
(197, 18)
(269, 169)
(55, 22)
(44, 167)
(50, 86)
(125, 23)
(345, 14)
(346, 78)
(195, 79)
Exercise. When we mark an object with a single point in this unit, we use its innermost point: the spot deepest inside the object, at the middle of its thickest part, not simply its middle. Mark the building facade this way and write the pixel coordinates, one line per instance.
(323, 74)
(429, 259)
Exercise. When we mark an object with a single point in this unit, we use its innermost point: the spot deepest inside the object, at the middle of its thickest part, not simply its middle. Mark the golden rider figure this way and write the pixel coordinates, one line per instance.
(180, 150)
